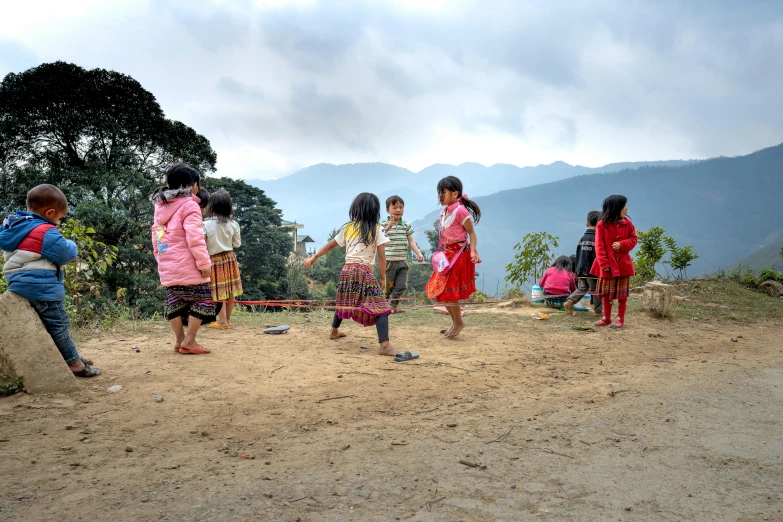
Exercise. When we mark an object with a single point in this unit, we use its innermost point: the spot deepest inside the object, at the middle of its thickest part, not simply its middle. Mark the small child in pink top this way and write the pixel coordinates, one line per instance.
(558, 281)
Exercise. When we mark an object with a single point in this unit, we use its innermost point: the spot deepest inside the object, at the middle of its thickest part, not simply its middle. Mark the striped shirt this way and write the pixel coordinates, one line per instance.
(397, 249)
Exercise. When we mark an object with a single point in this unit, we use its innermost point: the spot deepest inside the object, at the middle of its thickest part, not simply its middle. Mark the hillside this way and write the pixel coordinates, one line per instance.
(725, 207)
(319, 196)
(766, 257)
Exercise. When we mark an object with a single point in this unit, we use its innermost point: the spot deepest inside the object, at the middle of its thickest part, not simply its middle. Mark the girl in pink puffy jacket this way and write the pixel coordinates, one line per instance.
(183, 260)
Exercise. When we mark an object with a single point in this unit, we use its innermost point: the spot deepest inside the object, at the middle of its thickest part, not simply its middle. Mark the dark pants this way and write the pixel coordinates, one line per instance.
(381, 325)
(583, 285)
(396, 281)
(56, 321)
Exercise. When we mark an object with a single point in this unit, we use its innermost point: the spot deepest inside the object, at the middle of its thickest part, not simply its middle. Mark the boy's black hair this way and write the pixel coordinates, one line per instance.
(563, 263)
(366, 211)
(43, 197)
(203, 197)
(220, 206)
(179, 175)
(592, 217)
(612, 207)
(455, 185)
(393, 200)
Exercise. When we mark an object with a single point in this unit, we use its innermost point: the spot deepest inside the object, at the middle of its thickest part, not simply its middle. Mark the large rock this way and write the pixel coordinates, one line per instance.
(27, 349)
(657, 298)
(771, 288)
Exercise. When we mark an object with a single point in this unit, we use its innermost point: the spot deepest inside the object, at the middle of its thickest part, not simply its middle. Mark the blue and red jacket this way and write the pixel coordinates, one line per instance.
(34, 251)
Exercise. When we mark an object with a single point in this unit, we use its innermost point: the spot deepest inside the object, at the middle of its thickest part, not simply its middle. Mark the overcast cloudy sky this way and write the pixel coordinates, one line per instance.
(276, 85)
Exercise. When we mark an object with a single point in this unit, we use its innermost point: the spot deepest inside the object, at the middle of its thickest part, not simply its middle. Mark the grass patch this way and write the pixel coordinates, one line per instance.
(715, 299)
(9, 386)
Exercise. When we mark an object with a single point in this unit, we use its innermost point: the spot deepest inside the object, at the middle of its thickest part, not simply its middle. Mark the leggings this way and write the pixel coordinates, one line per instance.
(381, 325)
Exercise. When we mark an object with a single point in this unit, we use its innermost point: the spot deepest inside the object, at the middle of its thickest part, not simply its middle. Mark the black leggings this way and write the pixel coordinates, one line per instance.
(381, 325)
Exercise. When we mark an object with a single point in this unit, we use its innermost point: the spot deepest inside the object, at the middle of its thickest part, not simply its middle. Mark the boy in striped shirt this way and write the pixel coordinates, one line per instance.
(401, 239)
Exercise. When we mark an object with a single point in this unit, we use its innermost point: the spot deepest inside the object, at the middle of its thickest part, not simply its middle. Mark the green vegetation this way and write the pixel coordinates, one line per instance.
(10, 386)
(105, 141)
(535, 254)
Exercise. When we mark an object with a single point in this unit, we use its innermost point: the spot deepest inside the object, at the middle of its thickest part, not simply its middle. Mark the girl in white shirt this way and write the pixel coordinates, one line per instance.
(359, 295)
(223, 236)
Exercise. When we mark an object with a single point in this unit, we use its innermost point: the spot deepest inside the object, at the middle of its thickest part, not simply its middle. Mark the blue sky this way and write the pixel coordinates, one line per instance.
(277, 85)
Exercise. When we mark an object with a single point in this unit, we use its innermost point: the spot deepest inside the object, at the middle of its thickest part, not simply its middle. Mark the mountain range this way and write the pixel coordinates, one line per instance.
(319, 196)
(726, 208)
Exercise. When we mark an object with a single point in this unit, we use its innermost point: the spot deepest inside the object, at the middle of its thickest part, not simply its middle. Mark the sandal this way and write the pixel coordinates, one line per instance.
(86, 361)
(217, 326)
(196, 350)
(602, 322)
(87, 371)
(405, 356)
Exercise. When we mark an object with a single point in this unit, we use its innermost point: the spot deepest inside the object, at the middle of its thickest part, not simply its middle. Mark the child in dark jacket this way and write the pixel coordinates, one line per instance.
(35, 252)
(558, 282)
(615, 237)
(585, 256)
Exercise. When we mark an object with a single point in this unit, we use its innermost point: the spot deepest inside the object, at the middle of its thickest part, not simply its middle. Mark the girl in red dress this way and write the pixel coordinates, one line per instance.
(615, 237)
(456, 226)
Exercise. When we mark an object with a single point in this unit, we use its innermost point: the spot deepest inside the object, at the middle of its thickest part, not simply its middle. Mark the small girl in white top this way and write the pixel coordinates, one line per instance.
(223, 236)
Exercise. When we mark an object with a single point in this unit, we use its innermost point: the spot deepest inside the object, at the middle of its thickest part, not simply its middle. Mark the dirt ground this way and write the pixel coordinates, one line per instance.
(517, 419)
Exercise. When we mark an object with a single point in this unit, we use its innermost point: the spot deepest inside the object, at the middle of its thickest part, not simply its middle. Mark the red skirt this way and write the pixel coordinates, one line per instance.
(459, 282)
(613, 287)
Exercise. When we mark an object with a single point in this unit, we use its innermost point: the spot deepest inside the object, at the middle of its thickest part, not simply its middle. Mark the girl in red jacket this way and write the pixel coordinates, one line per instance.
(615, 237)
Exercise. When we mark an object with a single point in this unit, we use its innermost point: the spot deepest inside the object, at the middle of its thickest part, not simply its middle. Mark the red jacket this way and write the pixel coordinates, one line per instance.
(618, 263)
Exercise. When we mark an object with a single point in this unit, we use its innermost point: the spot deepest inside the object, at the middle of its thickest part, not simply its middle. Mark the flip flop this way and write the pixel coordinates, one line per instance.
(277, 330)
(86, 361)
(88, 371)
(615, 326)
(197, 350)
(217, 326)
(405, 356)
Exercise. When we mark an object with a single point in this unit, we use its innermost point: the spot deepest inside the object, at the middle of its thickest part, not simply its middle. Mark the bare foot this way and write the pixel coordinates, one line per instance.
(446, 332)
(455, 330)
(386, 348)
(178, 344)
(569, 307)
(335, 334)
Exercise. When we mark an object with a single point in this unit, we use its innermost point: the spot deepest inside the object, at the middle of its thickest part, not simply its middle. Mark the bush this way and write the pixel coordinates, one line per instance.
(535, 254)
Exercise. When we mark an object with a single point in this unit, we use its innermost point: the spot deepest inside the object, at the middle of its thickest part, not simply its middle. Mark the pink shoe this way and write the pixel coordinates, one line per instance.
(602, 322)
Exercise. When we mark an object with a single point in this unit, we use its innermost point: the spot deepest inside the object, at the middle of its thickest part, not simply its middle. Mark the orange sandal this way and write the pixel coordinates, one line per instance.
(197, 350)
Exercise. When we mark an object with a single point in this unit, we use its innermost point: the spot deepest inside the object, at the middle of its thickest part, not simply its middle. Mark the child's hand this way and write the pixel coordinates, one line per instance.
(206, 273)
(474, 257)
(616, 246)
(309, 262)
(419, 258)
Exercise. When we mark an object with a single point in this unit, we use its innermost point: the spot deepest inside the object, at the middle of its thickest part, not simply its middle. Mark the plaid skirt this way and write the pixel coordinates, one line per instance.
(225, 281)
(459, 282)
(190, 300)
(613, 287)
(359, 296)
(555, 302)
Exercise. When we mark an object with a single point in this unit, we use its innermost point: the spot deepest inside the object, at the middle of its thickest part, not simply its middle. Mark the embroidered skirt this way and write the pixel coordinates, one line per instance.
(190, 300)
(613, 287)
(225, 281)
(459, 282)
(359, 296)
(555, 302)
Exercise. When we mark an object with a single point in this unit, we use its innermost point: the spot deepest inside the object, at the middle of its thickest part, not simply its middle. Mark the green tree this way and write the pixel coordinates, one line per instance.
(535, 254)
(680, 258)
(651, 251)
(104, 140)
(432, 236)
(329, 266)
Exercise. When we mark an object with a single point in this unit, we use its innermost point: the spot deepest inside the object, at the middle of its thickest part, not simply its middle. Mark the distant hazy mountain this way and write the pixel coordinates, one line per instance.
(767, 257)
(319, 196)
(725, 207)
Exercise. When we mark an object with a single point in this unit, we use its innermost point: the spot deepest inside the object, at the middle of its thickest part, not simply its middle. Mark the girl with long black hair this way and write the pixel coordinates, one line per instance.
(359, 295)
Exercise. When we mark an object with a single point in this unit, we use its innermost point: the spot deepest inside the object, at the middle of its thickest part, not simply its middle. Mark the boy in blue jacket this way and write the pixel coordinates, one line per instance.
(34, 252)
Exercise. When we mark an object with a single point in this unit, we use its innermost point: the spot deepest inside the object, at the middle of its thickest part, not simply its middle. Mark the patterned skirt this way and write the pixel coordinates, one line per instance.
(555, 302)
(613, 287)
(459, 282)
(190, 300)
(359, 296)
(225, 281)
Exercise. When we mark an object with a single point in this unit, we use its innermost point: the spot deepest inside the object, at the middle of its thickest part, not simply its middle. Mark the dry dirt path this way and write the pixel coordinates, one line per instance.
(563, 425)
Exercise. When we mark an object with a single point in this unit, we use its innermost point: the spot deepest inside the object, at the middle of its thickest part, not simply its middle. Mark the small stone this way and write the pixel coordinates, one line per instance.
(628, 509)
(514, 486)
(339, 376)
(66, 448)
(193, 432)
(451, 425)
(734, 339)
(668, 420)
(159, 399)
(86, 440)
(69, 427)
(267, 463)
(128, 449)
(86, 431)
(205, 433)
(269, 449)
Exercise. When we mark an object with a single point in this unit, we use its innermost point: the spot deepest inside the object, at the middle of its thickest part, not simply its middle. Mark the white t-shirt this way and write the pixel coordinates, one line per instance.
(356, 251)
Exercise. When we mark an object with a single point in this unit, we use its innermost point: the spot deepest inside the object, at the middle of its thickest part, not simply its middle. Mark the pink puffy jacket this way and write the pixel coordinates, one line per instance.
(178, 242)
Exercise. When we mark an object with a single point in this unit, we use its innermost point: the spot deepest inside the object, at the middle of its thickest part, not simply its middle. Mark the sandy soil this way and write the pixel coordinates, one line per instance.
(516, 420)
